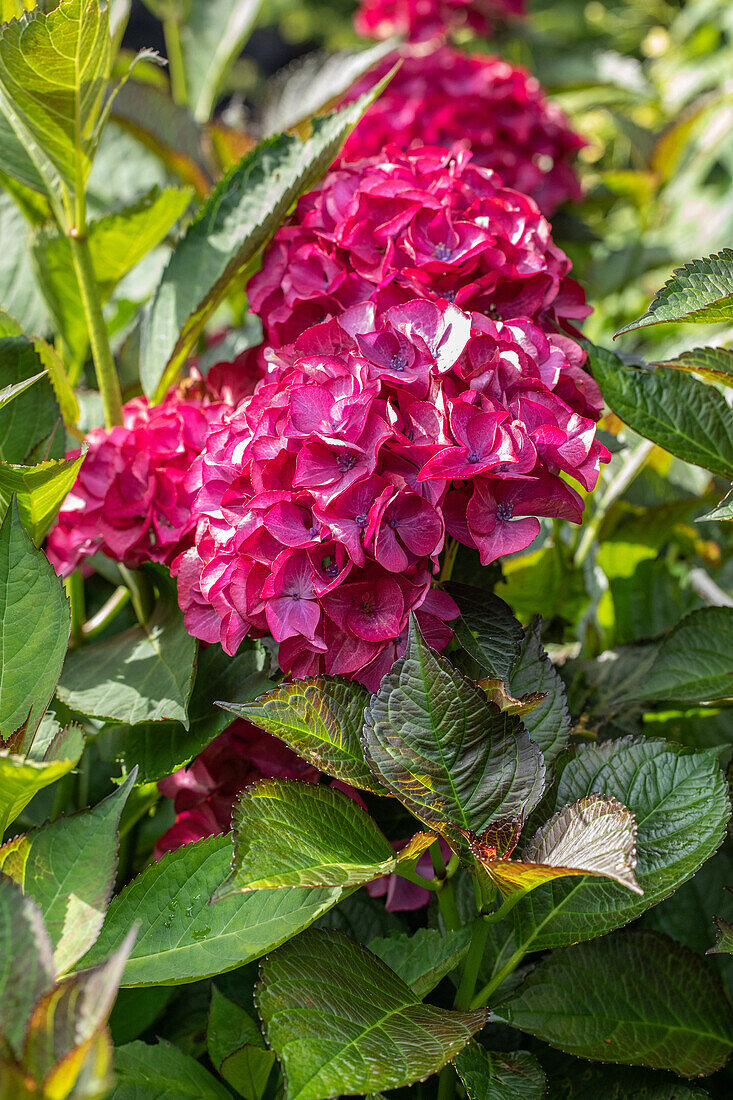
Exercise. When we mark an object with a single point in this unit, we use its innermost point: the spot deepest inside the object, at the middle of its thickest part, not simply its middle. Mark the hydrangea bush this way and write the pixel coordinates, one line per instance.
(333, 760)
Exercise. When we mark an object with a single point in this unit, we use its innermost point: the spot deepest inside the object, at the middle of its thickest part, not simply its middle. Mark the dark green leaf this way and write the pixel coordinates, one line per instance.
(724, 938)
(496, 1075)
(34, 630)
(487, 630)
(714, 364)
(182, 937)
(288, 833)
(26, 962)
(636, 997)
(151, 1072)
(340, 1021)
(144, 674)
(31, 418)
(548, 723)
(320, 719)
(694, 663)
(586, 1081)
(236, 1047)
(452, 758)
(699, 291)
(236, 222)
(68, 868)
(686, 417)
(424, 958)
(680, 802)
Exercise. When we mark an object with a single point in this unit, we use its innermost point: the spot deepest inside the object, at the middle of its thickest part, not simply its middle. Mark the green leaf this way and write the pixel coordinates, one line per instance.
(724, 938)
(311, 83)
(159, 748)
(26, 963)
(150, 1072)
(183, 938)
(39, 491)
(424, 958)
(62, 388)
(233, 226)
(28, 421)
(144, 674)
(212, 37)
(21, 777)
(700, 291)
(452, 758)
(680, 802)
(636, 997)
(68, 868)
(487, 630)
(694, 663)
(288, 833)
(548, 723)
(585, 1081)
(54, 71)
(723, 511)
(35, 623)
(340, 1021)
(19, 292)
(236, 1047)
(320, 719)
(9, 393)
(686, 417)
(497, 1075)
(117, 243)
(714, 364)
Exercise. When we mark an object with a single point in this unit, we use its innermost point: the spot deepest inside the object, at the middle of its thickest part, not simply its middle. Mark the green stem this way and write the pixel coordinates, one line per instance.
(447, 1083)
(620, 483)
(141, 593)
(451, 552)
(413, 876)
(177, 69)
(75, 591)
(107, 612)
(472, 967)
(509, 967)
(446, 897)
(104, 364)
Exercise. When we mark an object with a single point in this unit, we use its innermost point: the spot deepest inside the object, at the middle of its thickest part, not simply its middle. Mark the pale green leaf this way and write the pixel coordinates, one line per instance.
(212, 36)
(498, 1075)
(182, 937)
(21, 777)
(700, 291)
(340, 1021)
(636, 997)
(722, 511)
(723, 939)
(20, 295)
(39, 490)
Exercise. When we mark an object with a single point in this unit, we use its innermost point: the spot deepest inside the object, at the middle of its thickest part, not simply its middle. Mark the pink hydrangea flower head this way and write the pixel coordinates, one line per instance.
(322, 501)
(482, 103)
(423, 223)
(424, 19)
(130, 500)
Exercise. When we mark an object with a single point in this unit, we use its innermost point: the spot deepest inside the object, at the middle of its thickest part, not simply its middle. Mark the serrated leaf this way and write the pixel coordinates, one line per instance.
(159, 748)
(68, 868)
(212, 36)
(28, 421)
(454, 760)
(54, 71)
(26, 963)
(9, 393)
(700, 291)
(340, 1021)
(21, 778)
(143, 674)
(694, 663)
(148, 1072)
(311, 83)
(62, 388)
(424, 958)
(498, 1075)
(723, 938)
(680, 802)
(723, 511)
(13, 9)
(714, 364)
(686, 417)
(35, 623)
(39, 491)
(321, 719)
(548, 723)
(236, 1047)
(289, 834)
(182, 937)
(658, 1003)
(487, 630)
(232, 227)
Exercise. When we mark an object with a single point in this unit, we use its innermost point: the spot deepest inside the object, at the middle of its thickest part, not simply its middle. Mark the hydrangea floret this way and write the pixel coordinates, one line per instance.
(423, 19)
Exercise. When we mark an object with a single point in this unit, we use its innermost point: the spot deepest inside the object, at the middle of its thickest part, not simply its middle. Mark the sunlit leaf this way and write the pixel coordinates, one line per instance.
(699, 291)
(212, 36)
(39, 491)
(22, 777)
(30, 421)
(714, 364)
(26, 963)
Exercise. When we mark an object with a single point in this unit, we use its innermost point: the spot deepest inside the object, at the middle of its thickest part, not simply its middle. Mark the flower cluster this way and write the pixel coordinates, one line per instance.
(323, 500)
(130, 501)
(423, 19)
(407, 224)
(203, 792)
(497, 110)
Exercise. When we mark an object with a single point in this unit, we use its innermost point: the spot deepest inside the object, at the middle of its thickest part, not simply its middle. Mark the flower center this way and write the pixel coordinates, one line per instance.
(330, 568)
(346, 461)
(399, 361)
(504, 511)
(473, 457)
(442, 251)
(361, 519)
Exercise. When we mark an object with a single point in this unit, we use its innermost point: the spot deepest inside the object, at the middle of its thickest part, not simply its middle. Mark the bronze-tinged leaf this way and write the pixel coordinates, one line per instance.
(496, 692)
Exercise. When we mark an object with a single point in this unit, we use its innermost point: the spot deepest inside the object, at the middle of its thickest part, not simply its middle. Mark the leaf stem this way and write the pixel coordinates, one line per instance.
(446, 897)
(509, 967)
(104, 364)
(172, 35)
(446, 1083)
(620, 483)
(141, 593)
(74, 585)
(107, 612)
(451, 552)
(472, 967)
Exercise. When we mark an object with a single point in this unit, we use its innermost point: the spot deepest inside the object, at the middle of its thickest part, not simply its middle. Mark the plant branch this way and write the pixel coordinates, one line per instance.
(104, 364)
(107, 612)
(172, 35)
(446, 897)
(472, 967)
(509, 967)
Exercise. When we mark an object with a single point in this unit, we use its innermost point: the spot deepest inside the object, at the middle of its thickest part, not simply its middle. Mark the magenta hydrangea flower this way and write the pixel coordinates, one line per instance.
(423, 19)
(130, 501)
(322, 501)
(497, 111)
(422, 223)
